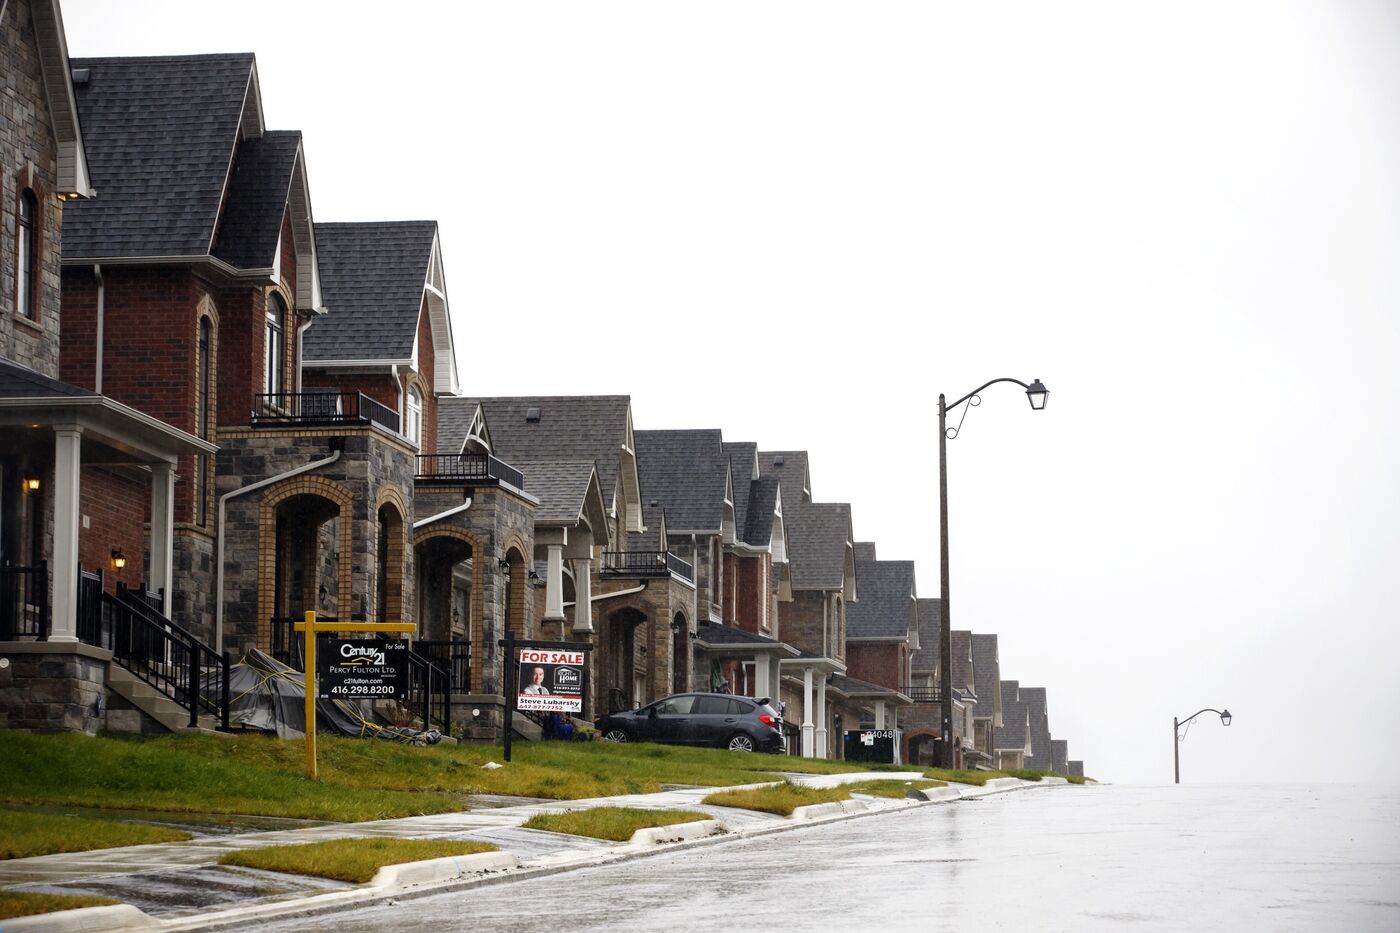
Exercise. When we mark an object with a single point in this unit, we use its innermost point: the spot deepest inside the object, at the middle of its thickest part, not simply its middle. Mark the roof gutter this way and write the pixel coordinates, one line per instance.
(441, 515)
(219, 546)
(598, 599)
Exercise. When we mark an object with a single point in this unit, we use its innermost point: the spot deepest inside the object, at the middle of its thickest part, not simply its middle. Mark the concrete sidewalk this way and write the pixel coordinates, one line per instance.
(180, 886)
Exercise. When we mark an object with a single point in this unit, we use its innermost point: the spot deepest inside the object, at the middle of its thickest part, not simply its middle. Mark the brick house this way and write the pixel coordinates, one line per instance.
(986, 675)
(821, 556)
(882, 634)
(1012, 740)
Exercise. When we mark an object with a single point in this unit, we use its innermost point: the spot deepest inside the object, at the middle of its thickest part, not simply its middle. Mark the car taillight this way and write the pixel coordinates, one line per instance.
(767, 720)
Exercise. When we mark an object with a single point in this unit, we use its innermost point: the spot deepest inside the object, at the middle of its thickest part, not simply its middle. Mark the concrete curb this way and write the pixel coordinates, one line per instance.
(935, 793)
(83, 920)
(817, 811)
(392, 878)
(677, 832)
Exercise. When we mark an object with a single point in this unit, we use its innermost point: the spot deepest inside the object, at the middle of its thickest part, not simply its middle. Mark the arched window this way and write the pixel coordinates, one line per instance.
(413, 417)
(27, 250)
(276, 345)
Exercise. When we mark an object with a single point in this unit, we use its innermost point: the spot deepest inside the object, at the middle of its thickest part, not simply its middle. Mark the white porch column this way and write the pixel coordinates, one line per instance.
(763, 678)
(821, 718)
(583, 595)
(67, 471)
(554, 584)
(880, 715)
(162, 531)
(807, 749)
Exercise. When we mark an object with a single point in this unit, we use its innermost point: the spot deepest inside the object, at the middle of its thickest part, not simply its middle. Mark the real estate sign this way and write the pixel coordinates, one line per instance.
(550, 681)
(363, 669)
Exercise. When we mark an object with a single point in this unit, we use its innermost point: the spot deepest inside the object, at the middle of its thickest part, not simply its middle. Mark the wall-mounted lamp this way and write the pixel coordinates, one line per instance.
(534, 576)
(118, 558)
(31, 483)
(503, 565)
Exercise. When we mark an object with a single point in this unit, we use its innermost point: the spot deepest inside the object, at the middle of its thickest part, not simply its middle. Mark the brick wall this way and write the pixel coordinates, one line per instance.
(378, 386)
(876, 662)
(116, 509)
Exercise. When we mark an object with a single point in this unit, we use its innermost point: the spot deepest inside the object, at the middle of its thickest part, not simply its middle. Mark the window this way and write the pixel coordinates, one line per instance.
(413, 420)
(27, 255)
(276, 344)
(675, 706)
(203, 389)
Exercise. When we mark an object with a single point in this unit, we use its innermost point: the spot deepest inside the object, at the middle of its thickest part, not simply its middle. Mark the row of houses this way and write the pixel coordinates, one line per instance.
(218, 413)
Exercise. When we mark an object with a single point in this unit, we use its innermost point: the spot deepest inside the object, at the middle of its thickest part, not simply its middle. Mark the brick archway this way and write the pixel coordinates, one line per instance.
(481, 573)
(316, 486)
(391, 566)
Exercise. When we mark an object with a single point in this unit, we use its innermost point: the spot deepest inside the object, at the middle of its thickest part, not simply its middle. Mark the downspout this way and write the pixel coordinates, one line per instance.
(301, 331)
(219, 546)
(441, 515)
(101, 315)
(398, 393)
(598, 599)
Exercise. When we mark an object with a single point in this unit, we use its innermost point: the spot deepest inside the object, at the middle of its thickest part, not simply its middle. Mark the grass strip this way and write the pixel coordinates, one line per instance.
(891, 788)
(354, 860)
(781, 799)
(24, 834)
(614, 823)
(26, 904)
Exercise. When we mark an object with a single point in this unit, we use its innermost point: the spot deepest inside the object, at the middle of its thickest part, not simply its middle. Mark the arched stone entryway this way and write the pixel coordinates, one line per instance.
(304, 553)
(921, 748)
(623, 673)
(680, 654)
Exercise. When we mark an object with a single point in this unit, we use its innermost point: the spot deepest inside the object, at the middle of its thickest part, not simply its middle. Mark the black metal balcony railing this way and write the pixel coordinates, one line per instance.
(922, 694)
(330, 407)
(467, 468)
(645, 564)
(24, 602)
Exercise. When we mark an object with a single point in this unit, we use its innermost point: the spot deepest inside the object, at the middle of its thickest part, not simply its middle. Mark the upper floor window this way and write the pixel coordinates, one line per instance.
(27, 255)
(413, 420)
(276, 344)
(205, 391)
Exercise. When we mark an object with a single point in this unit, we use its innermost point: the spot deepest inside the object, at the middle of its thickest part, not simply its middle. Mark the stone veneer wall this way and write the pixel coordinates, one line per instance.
(53, 687)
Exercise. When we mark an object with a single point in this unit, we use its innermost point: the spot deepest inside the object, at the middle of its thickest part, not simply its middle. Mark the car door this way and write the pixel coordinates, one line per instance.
(708, 719)
(672, 722)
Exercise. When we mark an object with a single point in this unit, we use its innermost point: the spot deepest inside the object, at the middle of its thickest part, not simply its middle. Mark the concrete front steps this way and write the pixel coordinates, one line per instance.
(148, 703)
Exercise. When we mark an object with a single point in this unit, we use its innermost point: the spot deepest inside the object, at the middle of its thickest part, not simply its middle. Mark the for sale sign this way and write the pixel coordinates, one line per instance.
(551, 681)
(362, 669)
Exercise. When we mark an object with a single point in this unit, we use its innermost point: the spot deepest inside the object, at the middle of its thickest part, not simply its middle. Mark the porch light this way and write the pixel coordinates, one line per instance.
(503, 565)
(31, 483)
(1038, 395)
(1225, 717)
(118, 558)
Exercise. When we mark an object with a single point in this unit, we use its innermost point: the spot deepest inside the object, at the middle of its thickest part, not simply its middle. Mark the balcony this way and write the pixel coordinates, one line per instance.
(466, 470)
(922, 694)
(645, 564)
(322, 408)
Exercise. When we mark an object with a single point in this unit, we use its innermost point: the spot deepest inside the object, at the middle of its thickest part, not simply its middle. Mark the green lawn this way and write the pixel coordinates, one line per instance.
(614, 823)
(354, 860)
(25, 904)
(23, 834)
(891, 788)
(360, 779)
(781, 799)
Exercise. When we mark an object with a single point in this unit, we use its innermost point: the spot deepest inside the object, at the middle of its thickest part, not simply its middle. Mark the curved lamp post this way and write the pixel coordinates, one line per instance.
(1225, 718)
(1038, 395)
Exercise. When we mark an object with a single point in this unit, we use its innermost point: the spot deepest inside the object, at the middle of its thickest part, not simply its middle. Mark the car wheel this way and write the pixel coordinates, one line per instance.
(615, 735)
(739, 742)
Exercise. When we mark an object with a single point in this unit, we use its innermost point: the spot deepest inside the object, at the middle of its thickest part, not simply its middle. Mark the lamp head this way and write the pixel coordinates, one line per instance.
(118, 558)
(1038, 395)
(31, 483)
(1225, 717)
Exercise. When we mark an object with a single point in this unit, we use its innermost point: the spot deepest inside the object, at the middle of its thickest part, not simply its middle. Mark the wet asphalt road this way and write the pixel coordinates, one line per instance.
(1313, 858)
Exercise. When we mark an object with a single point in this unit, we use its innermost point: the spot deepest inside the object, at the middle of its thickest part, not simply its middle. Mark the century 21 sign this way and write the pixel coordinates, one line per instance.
(362, 668)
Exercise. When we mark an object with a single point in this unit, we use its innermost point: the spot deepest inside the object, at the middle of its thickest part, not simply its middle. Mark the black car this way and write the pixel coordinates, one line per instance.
(719, 720)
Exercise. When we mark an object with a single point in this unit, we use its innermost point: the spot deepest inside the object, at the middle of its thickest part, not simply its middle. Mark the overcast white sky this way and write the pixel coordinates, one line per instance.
(800, 222)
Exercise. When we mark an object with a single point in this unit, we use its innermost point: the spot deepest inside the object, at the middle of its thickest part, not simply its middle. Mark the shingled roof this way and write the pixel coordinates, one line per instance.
(160, 134)
(372, 279)
(930, 632)
(885, 610)
(1038, 704)
(687, 473)
(1010, 736)
(743, 459)
(17, 381)
(257, 200)
(562, 486)
(986, 674)
(818, 534)
(1059, 756)
(569, 427)
(962, 665)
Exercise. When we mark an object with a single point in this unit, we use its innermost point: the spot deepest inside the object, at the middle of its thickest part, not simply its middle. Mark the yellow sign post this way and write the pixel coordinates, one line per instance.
(312, 627)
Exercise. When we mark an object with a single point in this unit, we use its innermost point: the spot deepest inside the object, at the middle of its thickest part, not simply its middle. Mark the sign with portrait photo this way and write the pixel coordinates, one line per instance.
(550, 681)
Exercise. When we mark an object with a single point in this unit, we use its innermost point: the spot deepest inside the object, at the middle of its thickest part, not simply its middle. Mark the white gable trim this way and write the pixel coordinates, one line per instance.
(73, 178)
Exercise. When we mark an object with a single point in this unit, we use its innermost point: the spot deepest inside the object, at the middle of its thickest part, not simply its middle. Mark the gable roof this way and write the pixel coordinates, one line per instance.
(51, 42)
(564, 488)
(986, 674)
(1059, 756)
(886, 605)
(1038, 704)
(257, 200)
(962, 664)
(569, 427)
(1010, 736)
(372, 277)
(818, 537)
(930, 634)
(160, 134)
(763, 502)
(743, 466)
(686, 473)
(791, 468)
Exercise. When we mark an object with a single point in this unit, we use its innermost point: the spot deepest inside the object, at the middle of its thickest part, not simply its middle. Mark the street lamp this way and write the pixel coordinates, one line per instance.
(1225, 718)
(1038, 395)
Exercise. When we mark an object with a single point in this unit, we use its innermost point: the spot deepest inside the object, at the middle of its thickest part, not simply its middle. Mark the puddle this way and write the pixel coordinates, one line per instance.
(199, 825)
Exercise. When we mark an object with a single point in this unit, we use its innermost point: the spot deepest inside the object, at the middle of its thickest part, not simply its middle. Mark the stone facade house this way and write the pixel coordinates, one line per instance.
(1011, 741)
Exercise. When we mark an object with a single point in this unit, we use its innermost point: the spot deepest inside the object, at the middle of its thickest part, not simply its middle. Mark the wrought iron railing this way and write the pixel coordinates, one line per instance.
(453, 656)
(24, 602)
(286, 645)
(645, 564)
(467, 468)
(922, 694)
(327, 407)
(162, 654)
(90, 588)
